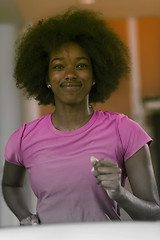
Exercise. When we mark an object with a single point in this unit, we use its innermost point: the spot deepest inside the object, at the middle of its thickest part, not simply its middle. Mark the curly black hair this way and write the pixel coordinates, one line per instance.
(108, 54)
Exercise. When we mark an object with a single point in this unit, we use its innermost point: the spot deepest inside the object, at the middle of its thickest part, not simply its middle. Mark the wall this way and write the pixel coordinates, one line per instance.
(149, 47)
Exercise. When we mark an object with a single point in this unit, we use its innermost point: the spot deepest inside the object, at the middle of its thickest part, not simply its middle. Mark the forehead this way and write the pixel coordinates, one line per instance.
(70, 50)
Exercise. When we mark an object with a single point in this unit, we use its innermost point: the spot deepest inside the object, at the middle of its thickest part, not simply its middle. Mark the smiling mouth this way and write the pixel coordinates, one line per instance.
(71, 85)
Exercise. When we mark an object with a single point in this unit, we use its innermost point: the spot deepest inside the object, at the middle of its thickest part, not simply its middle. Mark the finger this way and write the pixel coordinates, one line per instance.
(93, 160)
(110, 184)
(109, 177)
(97, 181)
(107, 163)
(95, 173)
(109, 170)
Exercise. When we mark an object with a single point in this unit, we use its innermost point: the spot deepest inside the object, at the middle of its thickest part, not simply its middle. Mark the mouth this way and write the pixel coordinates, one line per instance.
(71, 85)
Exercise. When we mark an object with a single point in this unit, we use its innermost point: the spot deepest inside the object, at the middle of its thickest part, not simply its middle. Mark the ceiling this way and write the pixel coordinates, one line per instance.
(28, 10)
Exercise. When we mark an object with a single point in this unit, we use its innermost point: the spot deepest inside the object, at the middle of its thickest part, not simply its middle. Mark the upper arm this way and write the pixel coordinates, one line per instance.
(141, 175)
(13, 175)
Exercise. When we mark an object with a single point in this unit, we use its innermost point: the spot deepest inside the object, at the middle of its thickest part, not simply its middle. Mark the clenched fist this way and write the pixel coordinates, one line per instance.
(108, 176)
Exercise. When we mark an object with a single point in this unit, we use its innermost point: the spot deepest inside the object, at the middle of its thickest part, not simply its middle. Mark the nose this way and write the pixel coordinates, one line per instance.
(70, 73)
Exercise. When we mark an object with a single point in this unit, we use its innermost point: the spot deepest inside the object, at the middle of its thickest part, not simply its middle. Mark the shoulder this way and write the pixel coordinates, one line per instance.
(119, 119)
(36, 125)
(15, 140)
(110, 121)
(111, 116)
(13, 146)
(125, 127)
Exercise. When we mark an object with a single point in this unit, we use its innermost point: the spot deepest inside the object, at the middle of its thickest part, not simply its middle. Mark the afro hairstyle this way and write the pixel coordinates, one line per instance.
(108, 54)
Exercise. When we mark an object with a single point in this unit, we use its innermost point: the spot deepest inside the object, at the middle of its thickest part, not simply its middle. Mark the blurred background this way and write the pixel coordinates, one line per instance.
(138, 24)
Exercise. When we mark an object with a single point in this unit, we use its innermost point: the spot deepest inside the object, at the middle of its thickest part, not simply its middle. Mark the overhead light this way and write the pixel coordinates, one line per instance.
(87, 1)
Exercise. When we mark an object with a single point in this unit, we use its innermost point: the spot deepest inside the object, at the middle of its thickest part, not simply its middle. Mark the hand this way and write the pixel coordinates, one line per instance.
(30, 220)
(108, 176)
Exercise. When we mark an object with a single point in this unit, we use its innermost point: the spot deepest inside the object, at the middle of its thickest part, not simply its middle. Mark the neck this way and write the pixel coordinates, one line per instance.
(69, 118)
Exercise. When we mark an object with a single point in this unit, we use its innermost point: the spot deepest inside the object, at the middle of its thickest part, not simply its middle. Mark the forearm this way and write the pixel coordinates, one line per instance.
(138, 209)
(15, 199)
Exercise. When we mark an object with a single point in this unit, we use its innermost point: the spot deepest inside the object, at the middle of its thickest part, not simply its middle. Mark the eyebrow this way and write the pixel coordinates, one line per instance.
(62, 58)
(57, 59)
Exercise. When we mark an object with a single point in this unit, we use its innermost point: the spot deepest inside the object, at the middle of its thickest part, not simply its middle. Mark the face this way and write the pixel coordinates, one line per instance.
(70, 74)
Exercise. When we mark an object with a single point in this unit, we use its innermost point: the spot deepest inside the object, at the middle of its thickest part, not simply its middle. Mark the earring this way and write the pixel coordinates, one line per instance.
(48, 85)
(93, 83)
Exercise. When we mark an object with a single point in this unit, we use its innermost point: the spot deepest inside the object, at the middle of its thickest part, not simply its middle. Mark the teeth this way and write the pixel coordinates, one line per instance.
(71, 85)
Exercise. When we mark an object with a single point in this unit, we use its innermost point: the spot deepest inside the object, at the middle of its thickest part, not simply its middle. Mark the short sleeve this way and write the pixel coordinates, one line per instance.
(132, 136)
(12, 152)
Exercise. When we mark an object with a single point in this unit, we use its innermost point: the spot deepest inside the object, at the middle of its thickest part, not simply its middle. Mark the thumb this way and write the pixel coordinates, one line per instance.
(93, 160)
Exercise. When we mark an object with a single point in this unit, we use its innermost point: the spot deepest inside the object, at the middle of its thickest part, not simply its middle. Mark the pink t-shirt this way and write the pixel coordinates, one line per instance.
(59, 165)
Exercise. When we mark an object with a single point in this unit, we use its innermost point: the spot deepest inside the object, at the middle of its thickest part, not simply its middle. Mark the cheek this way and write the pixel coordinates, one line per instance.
(54, 77)
(86, 76)
(89, 80)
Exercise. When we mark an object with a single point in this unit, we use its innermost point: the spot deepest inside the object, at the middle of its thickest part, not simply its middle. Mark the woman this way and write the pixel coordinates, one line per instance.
(70, 61)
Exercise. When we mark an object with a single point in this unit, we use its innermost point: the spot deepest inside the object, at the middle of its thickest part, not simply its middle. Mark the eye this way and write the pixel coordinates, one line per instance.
(82, 66)
(58, 67)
